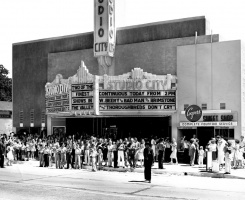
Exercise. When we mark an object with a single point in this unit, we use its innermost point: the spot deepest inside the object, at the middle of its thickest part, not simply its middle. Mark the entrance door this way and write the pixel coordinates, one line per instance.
(204, 134)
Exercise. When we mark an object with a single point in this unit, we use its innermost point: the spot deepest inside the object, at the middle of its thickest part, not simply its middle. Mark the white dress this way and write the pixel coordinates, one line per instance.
(153, 146)
(174, 151)
(221, 153)
(10, 153)
(141, 151)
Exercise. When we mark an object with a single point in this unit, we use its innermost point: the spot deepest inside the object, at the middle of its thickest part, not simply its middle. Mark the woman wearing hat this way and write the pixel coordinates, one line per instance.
(148, 160)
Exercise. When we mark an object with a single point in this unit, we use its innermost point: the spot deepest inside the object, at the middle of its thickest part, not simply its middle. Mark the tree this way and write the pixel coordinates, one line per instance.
(5, 85)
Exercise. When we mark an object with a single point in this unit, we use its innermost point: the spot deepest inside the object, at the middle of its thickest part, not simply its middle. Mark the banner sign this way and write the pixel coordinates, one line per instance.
(82, 96)
(104, 28)
(222, 124)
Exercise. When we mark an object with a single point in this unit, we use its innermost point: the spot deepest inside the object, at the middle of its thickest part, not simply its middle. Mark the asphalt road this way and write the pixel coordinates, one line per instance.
(23, 181)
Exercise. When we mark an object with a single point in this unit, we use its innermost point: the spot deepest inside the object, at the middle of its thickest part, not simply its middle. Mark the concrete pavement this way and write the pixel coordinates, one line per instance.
(179, 170)
(27, 181)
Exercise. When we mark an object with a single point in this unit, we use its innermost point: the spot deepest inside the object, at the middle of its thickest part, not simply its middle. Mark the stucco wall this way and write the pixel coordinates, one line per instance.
(225, 87)
(157, 57)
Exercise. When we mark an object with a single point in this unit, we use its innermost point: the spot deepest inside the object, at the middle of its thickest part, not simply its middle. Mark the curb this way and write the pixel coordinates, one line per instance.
(154, 171)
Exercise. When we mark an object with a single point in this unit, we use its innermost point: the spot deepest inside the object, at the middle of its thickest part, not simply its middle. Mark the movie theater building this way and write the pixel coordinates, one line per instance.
(151, 73)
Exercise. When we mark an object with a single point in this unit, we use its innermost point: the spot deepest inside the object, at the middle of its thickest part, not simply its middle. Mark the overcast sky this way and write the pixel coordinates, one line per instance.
(25, 20)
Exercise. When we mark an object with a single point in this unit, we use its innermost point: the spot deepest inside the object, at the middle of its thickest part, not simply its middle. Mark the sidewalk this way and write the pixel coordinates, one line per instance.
(179, 170)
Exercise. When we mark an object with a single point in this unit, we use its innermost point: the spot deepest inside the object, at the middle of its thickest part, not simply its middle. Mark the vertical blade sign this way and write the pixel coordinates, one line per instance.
(104, 28)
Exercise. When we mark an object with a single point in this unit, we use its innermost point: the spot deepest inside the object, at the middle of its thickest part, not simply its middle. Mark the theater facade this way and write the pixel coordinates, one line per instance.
(137, 83)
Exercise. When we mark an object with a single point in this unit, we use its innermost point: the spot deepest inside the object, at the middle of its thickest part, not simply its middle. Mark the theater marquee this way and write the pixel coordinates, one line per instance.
(136, 92)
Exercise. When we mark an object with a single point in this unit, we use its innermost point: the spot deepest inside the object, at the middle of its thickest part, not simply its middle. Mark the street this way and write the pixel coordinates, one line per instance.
(24, 181)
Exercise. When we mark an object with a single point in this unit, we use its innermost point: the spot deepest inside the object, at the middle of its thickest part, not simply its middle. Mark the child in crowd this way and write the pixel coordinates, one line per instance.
(201, 156)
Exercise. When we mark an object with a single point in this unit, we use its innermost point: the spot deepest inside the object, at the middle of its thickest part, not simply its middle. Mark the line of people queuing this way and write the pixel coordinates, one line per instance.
(74, 153)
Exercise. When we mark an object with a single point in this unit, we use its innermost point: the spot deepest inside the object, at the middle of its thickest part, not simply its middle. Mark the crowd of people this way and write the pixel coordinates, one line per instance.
(218, 150)
(70, 152)
(74, 152)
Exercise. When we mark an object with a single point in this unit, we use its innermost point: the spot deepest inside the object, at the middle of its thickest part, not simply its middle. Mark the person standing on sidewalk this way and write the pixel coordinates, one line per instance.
(148, 160)
(46, 153)
(86, 153)
(93, 157)
(227, 149)
(221, 154)
(131, 153)
(110, 153)
(174, 152)
(77, 157)
(121, 149)
(167, 150)
(192, 152)
(68, 156)
(2, 152)
(186, 150)
(63, 156)
(161, 149)
(115, 153)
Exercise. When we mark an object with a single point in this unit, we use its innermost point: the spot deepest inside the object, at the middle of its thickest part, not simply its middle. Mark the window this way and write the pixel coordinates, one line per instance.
(222, 106)
(228, 134)
(204, 106)
(186, 106)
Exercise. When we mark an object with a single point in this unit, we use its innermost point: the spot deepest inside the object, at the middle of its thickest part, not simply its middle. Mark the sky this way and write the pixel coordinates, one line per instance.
(26, 20)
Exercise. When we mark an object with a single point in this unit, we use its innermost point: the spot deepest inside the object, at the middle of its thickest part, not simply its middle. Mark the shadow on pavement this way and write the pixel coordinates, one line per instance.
(137, 181)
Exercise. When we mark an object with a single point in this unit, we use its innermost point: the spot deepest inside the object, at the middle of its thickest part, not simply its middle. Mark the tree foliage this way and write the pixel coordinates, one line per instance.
(5, 85)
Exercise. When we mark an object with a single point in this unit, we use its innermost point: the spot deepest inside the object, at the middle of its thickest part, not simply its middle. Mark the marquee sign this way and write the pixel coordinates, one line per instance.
(104, 28)
(138, 91)
(82, 96)
(57, 96)
(87, 94)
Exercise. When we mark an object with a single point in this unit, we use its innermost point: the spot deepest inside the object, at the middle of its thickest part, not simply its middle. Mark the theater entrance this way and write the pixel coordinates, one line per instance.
(120, 127)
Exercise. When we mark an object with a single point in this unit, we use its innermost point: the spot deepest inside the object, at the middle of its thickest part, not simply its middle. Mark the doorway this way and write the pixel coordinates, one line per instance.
(204, 134)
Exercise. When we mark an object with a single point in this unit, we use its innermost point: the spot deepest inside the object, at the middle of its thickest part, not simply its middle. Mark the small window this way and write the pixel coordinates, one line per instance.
(222, 106)
(186, 106)
(204, 106)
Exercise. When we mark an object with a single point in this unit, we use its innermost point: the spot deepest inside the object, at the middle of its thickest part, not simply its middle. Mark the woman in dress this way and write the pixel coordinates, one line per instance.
(141, 152)
(153, 146)
(33, 149)
(174, 152)
(10, 155)
(236, 153)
